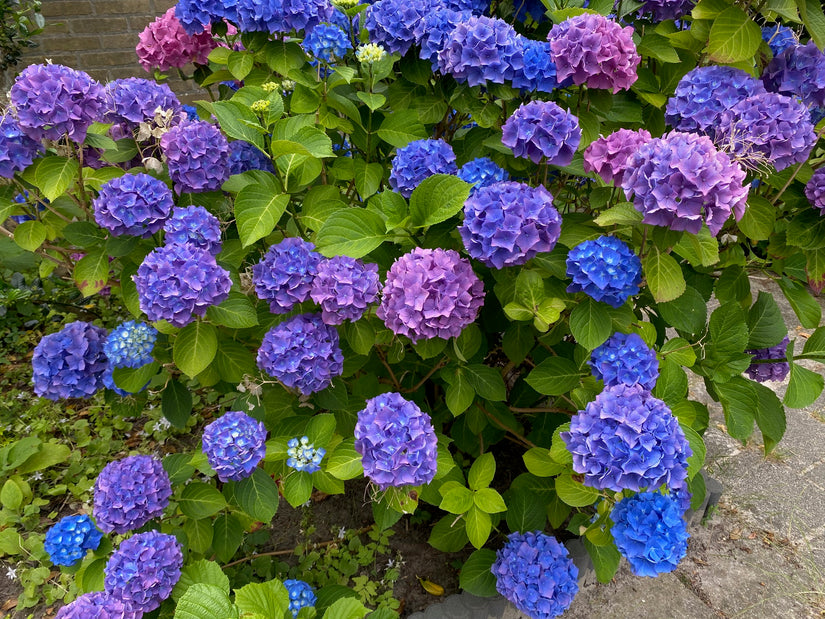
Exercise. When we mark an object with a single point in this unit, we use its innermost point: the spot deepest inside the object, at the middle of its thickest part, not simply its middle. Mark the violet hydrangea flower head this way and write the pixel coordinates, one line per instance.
(193, 225)
(17, 150)
(537, 71)
(391, 23)
(234, 445)
(536, 574)
(285, 274)
(762, 372)
(52, 100)
(626, 439)
(143, 571)
(507, 223)
(327, 43)
(799, 71)
(434, 27)
(70, 538)
(198, 15)
(300, 594)
(542, 129)
(481, 50)
(129, 493)
(178, 282)
(130, 344)
(815, 190)
(681, 180)
(244, 156)
(779, 38)
(650, 532)
(344, 288)
(430, 293)
(418, 160)
(482, 172)
(197, 154)
(97, 605)
(624, 359)
(133, 100)
(133, 205)
(605, 269)
(302, 352)
(70, 363)
(660, 10)
(306, 14)
(303, 456)
(164, 44)
(596, 51)
(397, 442)
(608, 155)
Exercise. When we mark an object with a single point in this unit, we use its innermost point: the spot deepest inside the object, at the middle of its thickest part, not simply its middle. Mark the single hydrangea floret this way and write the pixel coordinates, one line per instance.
(605, 269)
(541, 129)
(68, 541)
(97, 605)
(133, 205)
(70, 363)
(130, 344)
(234, 444)
(344, 288)
(193, 225)
(300, 594)
(418, 160)
(778, 370)
(197, 154)
(303, 456)
(607, 156)
(129, 493)
(284, 276)
(625, 360)
(17, 150)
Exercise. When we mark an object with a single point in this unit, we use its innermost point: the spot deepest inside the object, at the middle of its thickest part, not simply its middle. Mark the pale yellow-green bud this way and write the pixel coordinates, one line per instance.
(370, 52)
(345, 4)
(270, 86)
(261, 105)
(288, 85)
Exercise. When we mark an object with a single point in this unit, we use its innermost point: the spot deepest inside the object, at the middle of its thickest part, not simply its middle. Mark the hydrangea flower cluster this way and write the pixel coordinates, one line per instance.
(370, 53)
(17, 150)
(608, 155)
(285, 274)
(303, 353)
(799, 71)
(144, 570)
(815, 189)
(660, 10)
(197, 155)
(130, 492)
(134, 205)
(234, 444)
(164, 44)
(133, 100)
(327, 43)
(650, 532)
(627, 440)
(193, 225)
(605, 269)
(434, 28)
(198, 15)
(430, 293)
(300, 594)
(680, 181)
(596, 51)
(762, 372)
(52, 100)
(537, 71)
(130, 344)
(391, 23)
(418, 160)
(779, 38)
(480, 50)
(70, 538)
(625, 359)
(508, 223)
(542, 129)
(344, 287)
(397, 443)
(70, 363)
(244, 156)
(97, 605)
(281, 15)
(482, 172)
(535, 573)
(177, 282)
(303, 456)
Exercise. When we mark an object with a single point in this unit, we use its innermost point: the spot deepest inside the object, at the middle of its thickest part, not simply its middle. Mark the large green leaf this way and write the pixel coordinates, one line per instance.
(239, 122)
(765, 323)
(733, 37)
(267, 599)
(486, 382)
(345, 462)
(30, 235)
(257, 495)
(554, 376)
(203, 601)
(401, 128)
(437, 198)
(134, 380)
(257, 211)
(91, 273)
(199, 500)
(236, 312)
(770, 417)
(478, 525)
(353, 232)
(227, 536)
(739, 401)
(202, 571)
(605, 559)
(804, 387)
(476, 577)
(814, 20)
(759, 218)
(575, 493)
(663, 275)
(590, 323)
(687, 313)
(804, 305)
(482, 471)
(54, 175)
(367, 177)
(525, 512)
(195, 348)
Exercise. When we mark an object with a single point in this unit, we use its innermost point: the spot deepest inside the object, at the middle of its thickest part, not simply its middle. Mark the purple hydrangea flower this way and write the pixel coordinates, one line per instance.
(799, 71)
(508, 223)
(608, 156)
(244, 156)
(779, 38)
(198, 15)
(482, 172)
(650, 532)
(704, 93)
(593, 50)
(129, 493)
(542, 129)
(660, 10)
(134, 205)
(538, 71)
(433, 28)
(344, 288)
(762, 372)
(306, 14)
(70, 363)
(680, 181)
(144, 570)
(302, 352)
(197, 155)
(625, 360)
(481, 50)
(418, 160)
(300, 594)
(134, 100)
(17, 150)
(196, 226)
(303, 456)
(397, 443)
(51, 101)
(815, 190)
(234, 444)
(627, 440)
(391, 23)
(70, 538)
(327, 43)
(177, 282)
(285, 274)
(605, 269)
(130, 344)
(98, 605)
(535, 573)
(430, 293)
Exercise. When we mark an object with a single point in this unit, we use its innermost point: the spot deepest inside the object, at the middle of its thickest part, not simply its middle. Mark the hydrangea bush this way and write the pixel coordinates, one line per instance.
(397, 237)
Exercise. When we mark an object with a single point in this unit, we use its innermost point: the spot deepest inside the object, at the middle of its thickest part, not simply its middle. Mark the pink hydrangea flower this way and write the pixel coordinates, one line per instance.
(164, 44)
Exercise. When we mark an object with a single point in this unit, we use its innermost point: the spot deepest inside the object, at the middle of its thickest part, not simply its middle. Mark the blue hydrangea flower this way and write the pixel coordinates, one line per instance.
(605, 269)
(285, 274)
(418, 160)
(799, 71)
(70, 363)
(650, 532)
(535, 573)
(482, 172)
(300, 594)
(815, 189)
(302, 352)
(234, 444)
(344, 287)
(130, 344)
(327, 43)
(392, 23)
(97, 605)
(197, 15)
(282, 15)
(134, 204)
(779, 38)
(130, 492)
(625, 360)
(244, 156)
(397, 442)
(481, 50)
(197, 155)
(144, 570)
(508, 223)
(538, 71)
(191, 112)
(432, 31)
(627, 440)
(762, 372)
(303, 456)
(133, 100)
(196, 226)
(542, 129)
(70, 538)
(17, 150)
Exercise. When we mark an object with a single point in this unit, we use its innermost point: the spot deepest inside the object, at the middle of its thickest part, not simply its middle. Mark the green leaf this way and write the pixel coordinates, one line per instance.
(658, 47)
(759, 218)
(489, 501)
(739, 400)
(54, 175)
(368, 176)
(199, 535)
(525, 511)
(176, 403)
(478, 525)
(236, 312)
(267, 599)
(227, 536)
(202, 601)
(46, 455)
(605, 559)
(31, 234)
(384, 515)
(195, 348)
(459, 393)
(456, 499)
(554, 376)
(354, 232)
(724, 356)
(135, 380)
(688, 313)
(663, 275)
(448, 534)
(804, 387)
(346, 608)
(345, 463)
(679, 350)
(733, 36)
(178, 467)
(765, 323)
(240, 64)
(199, 500)
(623, 213)
(701, 249)
(257, 495)
(202, 571)
(815, 345)
(283, 57)
(574, 493)
(239, 122)
(539, 463)
(84, 234)
(814, 19)
(320, 429)
(371, 100)
(360, 336)
(590, 323)
(770, 417)
(91, 273)
(11, 495)
(697, 446)
(804, 305)
(486, 382)
(476, 577)
(672, 384)
(401, 128)
(437, 198)
(233, 361)
(257, 211)
(482, 471)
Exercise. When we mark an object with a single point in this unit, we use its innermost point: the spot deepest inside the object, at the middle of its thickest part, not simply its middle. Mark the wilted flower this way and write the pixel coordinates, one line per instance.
(285, 274)
(542, 129)
(196, 226)
(300, 594)
(70, 538)
(164, 44)
(130, 344)
(762, 372)
(134, 205)
(625, 360)
(605, 269)
(134, 100)
(481, 50)
(303, 456)
(130, 492)
(418, 160)
(70, 363)
(234, 444)
(482, 172)
(344, 288)
(799, 71)
(608, 155)
(197, 155)
(815, 190)
(97, 605)
(17, 150)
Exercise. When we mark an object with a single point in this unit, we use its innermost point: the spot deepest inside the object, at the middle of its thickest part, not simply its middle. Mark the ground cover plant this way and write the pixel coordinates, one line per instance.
(404, 242)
